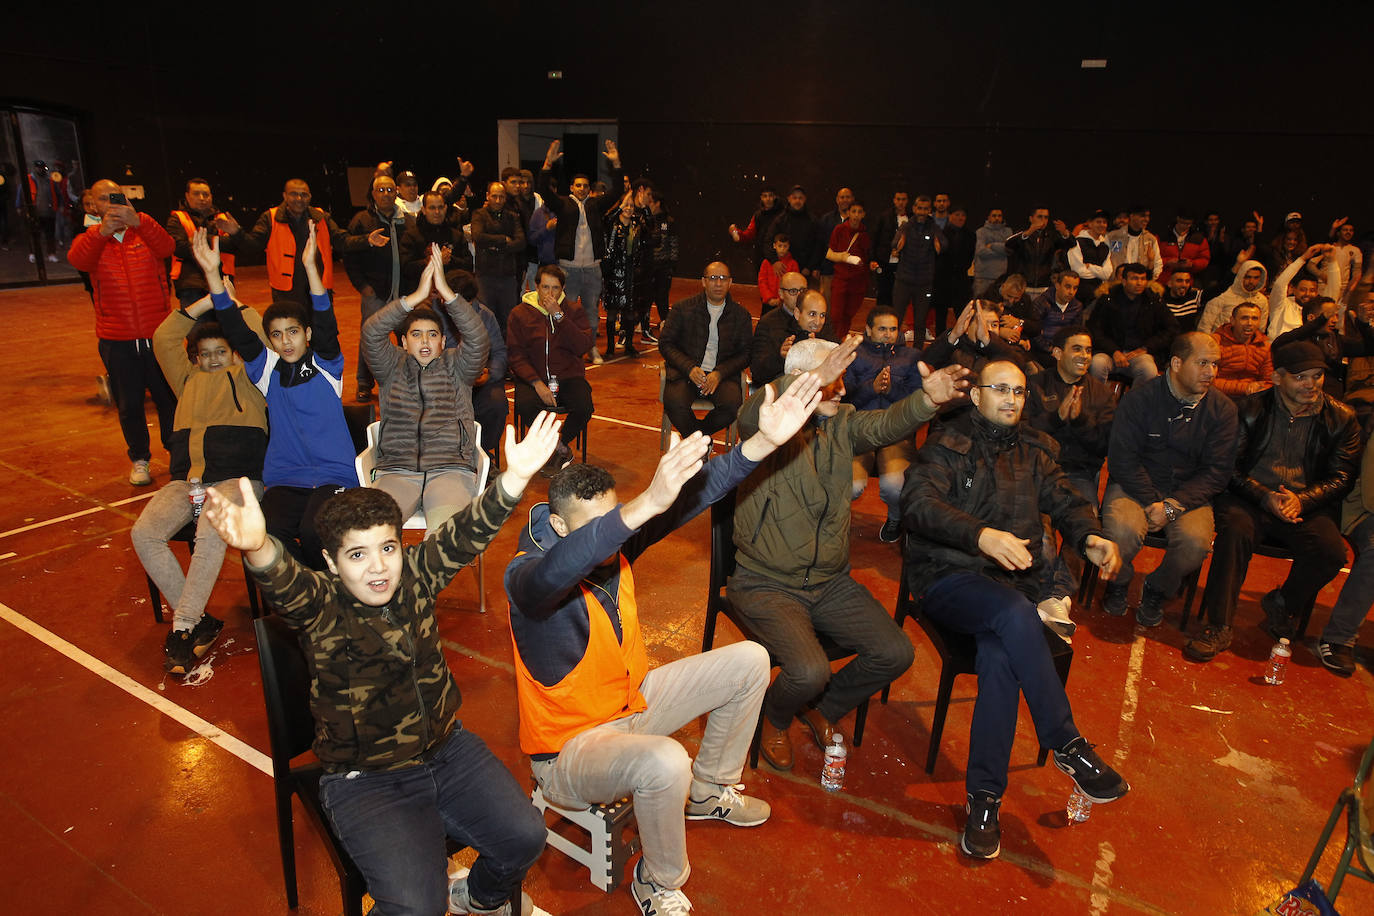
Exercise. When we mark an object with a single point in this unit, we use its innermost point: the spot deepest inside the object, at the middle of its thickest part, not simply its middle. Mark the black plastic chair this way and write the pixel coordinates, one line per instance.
(187, 536)
(1087, 586)
(580, 442)
(1275, 552)
(722, 567)
(958, 654)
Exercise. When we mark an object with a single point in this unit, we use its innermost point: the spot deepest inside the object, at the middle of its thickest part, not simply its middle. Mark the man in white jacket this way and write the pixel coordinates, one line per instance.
(1285, 311)
(1247, 286)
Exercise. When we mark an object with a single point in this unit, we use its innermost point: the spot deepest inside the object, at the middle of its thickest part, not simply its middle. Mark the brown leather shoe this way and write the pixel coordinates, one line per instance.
(820, 728)
(775, 744)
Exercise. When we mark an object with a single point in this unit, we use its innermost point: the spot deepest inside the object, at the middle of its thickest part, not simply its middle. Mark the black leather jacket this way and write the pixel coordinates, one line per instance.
(1330, 461)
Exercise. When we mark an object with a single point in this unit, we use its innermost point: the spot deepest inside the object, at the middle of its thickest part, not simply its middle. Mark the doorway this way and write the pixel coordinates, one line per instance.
(42, 176)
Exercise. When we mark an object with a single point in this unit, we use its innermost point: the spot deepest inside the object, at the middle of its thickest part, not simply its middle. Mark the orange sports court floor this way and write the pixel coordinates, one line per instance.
(127, 792)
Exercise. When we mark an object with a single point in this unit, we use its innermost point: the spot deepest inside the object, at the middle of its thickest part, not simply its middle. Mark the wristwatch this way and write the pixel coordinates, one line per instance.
(1170, 513)
(557, 316)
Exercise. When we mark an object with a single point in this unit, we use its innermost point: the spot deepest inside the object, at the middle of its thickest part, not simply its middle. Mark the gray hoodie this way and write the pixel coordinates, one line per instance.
(1218, 311)
(990, 255)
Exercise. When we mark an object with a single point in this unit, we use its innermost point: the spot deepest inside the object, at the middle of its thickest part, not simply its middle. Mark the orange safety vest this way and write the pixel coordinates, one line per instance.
(603, 687)
(226, 260)
(281, 253)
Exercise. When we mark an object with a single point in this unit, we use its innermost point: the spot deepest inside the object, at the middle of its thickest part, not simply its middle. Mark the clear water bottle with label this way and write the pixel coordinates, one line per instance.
(1278, 662)
(197, 496)
(553, 385)
(836, 755)
(1079, 808)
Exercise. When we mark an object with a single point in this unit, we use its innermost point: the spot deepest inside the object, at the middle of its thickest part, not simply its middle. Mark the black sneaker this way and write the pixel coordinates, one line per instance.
(647, 336)
(1093, 777)
(177, 655)
(1337, 658)
(561, 458)
(891, 531)
(1277, 622)
(1151, 610)
(1211, 642)
(204, 634)
(1114, 599)
(982, 836)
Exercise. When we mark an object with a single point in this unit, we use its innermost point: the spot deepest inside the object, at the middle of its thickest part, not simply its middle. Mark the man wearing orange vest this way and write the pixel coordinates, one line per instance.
(281, 232)
(198, 212)
(594, 719)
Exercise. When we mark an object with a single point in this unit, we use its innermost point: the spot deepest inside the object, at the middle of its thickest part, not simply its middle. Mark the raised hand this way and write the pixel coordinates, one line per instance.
(242, 527)
(526, 457)
(780, 418)
(553, 155)
(962, 325)
(206, 252)
(421, 294)
(465, 167)
(948, 384)
(436, 265)
(787, 344)
(678, 465)
(838, 359)
(612, 153)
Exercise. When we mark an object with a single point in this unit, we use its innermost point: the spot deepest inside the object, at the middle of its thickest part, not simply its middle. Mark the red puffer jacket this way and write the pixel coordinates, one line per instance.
(129, 278)
(1194, 249)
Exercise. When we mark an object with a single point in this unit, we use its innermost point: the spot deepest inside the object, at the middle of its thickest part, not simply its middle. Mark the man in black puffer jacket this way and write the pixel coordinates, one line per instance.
(432, 227)
(971, 507)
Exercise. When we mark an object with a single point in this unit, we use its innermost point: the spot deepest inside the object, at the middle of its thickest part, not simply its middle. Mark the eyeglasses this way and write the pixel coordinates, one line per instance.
(791, 291)
(384, 191)
(1004, 389)
(717, 278)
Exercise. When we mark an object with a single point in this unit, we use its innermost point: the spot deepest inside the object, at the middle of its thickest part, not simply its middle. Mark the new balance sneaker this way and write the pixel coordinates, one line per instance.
(725, 803)
(1054, 613)
(459, 902)
(1114, 599)
(1337, 658)
(1093, 777)
(891, 531)
(982, 836)
(1207, 645)
(139, 475)
(1277, 622)
(1151, 610)
(655, 900)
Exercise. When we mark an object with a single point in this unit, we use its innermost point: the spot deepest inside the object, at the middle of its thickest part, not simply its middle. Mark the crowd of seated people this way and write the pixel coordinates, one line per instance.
(1229, 414)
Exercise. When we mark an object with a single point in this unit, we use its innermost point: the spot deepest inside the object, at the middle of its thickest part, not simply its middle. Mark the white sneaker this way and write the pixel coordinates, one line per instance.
(596, 357)
(53, 258)
(1055, 613)
(458, 901)
(654, 900)
(139, 475)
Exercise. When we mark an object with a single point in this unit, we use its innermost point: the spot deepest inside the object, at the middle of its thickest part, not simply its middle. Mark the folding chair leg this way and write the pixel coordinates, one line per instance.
(155, 598)
(481, 571)
(860, 719)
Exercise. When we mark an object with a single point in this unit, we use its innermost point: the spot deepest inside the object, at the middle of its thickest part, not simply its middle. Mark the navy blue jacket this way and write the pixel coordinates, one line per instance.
(869, 360)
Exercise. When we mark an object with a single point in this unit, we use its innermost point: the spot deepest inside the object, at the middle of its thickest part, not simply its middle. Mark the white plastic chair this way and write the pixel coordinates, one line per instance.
(366, 462)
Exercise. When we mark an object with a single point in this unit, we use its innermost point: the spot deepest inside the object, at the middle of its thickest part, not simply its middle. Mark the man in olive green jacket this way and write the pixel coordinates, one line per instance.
(792, 584)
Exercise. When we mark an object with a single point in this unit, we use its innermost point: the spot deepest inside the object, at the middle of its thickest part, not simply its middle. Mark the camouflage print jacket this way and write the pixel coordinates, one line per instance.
(382, 695)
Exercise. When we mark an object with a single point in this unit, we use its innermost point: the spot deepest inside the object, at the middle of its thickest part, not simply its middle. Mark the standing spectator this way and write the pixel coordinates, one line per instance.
(626, 272)
(1183, 248)
(825, 226)
(546, 341)
(1133, 243)
(1297, 459)
(1090, 257)
(372, 255)
(1246, 366)
(952, 288)
(705, 347)
(1034, 251)
(197, 211)
(940, 211)
(1336, 645)
(1246, 286)
(665, 255)
(580, 233)
(1182, 299)
(990, 253)
(848, 251)
(919, 243)
(498, 236)
(408, 194)
(1132, 329)
(1217, 276)
(1173, 449)
(1245, 246)
(807, 246)
(884, 263)
(772, 272)
(123, 255)
(1349, 260)
(432, 227)
(281, 231)
(1288, 243)
(760, 223)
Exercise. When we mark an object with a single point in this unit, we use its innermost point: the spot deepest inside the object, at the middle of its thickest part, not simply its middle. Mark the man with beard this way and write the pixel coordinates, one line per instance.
(372, 255)
(197, 211)
(281, 232)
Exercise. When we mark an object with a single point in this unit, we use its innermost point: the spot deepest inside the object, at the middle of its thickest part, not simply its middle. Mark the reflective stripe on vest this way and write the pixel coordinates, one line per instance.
(602, 687)
(226, 260)
(281, 253)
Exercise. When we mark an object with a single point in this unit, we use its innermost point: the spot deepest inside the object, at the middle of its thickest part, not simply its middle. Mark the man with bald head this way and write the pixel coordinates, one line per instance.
(372, 256)
(705, 347)
(281, 232)
(804, 315)
(124, 254)
(971, 508)
(1173, 449)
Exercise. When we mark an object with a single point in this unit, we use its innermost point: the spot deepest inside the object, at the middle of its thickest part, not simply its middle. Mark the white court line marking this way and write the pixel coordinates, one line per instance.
(1130, 702)
(8, 555)
(67, 518)
(245, 752)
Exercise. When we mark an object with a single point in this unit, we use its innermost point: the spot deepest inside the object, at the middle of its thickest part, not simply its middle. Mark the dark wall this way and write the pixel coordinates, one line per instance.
(988, 102)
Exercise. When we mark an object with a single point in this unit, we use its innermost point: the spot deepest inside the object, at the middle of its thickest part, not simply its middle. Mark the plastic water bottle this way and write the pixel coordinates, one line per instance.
(1278, 662)
(197, 496)
(553, 384)
(832, 774)
(1079, 808)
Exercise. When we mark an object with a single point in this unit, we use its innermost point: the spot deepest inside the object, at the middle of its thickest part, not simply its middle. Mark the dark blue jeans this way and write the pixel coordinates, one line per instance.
(1013, 658)
(393, 825)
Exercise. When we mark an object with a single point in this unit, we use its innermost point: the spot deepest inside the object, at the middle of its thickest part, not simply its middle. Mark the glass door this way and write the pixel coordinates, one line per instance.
(41, 180)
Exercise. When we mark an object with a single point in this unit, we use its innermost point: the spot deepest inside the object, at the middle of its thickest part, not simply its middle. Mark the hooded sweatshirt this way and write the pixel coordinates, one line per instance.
(990, 251)
(1217, 311)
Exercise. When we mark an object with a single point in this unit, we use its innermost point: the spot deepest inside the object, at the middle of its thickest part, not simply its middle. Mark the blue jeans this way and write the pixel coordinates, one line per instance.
(585, 283)
(393, 825)
(1013, 658)
(1352, 605)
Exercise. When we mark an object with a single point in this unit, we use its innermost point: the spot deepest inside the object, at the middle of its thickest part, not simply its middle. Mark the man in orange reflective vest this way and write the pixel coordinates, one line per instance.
(198, 212)
(594, 719)
(281, 232)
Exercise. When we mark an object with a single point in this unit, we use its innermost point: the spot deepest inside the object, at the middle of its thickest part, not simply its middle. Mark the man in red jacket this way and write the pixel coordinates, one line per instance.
(124, 256)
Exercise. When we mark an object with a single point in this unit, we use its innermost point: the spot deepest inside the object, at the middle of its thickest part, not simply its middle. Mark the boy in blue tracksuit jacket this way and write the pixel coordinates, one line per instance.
(309, 451)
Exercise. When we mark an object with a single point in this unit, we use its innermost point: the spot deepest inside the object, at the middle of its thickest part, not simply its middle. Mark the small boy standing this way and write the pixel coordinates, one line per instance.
(770, 272)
